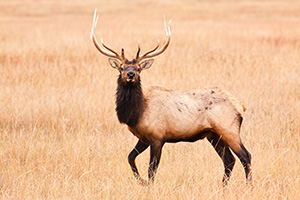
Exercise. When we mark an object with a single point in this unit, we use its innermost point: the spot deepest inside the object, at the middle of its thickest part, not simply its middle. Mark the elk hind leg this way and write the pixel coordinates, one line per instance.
(139, 148)
(236, 145)
(224, 152)
(245, 158)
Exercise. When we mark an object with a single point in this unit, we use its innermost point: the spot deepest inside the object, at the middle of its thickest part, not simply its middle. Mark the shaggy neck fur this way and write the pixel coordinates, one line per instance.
(130, 102)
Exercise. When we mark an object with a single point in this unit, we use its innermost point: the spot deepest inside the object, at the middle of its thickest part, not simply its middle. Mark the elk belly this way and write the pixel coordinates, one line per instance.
(185, 124)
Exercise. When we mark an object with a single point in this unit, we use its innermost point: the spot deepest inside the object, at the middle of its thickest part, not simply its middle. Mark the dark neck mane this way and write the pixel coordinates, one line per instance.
(130, 103)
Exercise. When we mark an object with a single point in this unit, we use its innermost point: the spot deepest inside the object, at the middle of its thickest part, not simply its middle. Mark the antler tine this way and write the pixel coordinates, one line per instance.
(153, 52)
(123, 54)
(167, 28)
(97, 45)
(138, 51)
(147, 53)
(109, 49)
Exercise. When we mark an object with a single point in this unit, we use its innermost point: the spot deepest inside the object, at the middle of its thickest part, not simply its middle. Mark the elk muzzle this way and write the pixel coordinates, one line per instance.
(130, 75)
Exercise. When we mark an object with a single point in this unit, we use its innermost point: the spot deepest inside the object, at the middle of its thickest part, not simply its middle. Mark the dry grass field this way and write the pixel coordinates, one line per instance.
(59, 134)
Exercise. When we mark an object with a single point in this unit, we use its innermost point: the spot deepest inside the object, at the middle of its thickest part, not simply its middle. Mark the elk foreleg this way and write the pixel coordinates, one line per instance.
(139, 148)
(224, 152)
(155, 154)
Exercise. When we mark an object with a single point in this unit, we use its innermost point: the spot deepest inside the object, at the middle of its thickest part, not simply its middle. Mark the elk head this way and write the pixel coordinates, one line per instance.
(130, 70)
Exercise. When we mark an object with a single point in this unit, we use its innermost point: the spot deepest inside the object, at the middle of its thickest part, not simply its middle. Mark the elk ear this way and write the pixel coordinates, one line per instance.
(114, 62)
(146, 64)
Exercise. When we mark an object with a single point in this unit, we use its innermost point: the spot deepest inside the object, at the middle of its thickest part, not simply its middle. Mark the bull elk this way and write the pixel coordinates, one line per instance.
(157, 115)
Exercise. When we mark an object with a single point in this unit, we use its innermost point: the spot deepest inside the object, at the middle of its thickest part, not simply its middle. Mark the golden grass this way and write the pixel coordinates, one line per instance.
(60, 138)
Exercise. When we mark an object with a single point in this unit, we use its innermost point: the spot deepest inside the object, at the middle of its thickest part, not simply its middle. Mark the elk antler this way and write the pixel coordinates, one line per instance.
(154, 52)
(111, 53)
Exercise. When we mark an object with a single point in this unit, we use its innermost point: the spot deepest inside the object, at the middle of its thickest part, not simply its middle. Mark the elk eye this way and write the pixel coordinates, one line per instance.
(139, 69)
(122, 68)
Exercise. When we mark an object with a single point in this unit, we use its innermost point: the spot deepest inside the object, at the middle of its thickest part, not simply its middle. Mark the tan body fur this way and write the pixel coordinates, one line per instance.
(179, 115)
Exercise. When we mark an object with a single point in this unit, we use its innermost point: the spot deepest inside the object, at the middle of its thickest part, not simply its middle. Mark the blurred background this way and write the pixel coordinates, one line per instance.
(60, 137)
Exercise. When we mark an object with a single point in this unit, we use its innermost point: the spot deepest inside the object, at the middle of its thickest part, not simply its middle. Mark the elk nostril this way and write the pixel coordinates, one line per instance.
(130, 74)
